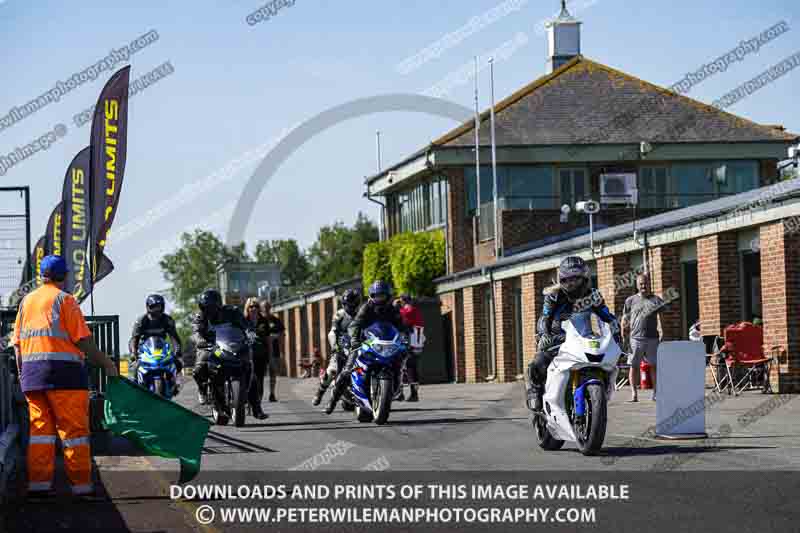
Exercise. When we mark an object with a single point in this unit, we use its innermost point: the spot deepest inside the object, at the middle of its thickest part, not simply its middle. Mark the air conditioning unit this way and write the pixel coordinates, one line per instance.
(618, 189)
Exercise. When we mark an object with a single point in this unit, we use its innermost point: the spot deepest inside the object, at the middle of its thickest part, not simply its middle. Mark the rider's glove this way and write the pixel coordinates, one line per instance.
(545, 339)
(179, 365)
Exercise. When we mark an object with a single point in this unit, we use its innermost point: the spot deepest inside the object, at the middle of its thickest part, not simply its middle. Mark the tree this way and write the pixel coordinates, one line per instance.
(338, 253)
(192, 268)
(408, 261)
(295, 268)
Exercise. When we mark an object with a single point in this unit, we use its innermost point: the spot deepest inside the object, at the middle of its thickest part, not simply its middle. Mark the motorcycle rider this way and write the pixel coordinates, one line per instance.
(212, 313)
(572, 294)
(377, 308)
(154, 323)
(351, 299)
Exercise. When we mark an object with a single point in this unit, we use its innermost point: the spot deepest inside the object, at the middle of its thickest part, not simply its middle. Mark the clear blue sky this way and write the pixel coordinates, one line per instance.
(236, 86)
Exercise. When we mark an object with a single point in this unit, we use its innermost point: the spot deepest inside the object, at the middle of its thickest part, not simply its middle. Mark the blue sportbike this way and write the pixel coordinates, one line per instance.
(156, 369)
(377, 371)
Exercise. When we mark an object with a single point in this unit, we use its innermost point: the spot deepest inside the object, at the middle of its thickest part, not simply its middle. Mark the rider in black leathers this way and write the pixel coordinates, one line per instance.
(351, 299)
(154, 323)
(212, 313)
(378, 308)
(572, 294)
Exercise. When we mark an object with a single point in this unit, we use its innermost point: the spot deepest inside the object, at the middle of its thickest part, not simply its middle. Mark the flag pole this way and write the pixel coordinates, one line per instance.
(477, 150)
(90, 226)
(494, 166)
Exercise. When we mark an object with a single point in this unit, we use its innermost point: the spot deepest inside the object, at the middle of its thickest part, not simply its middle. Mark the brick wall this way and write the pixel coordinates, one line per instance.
(312, 317)
(613, 281)
(300, 339)
(769, 171)
(780, 294)
(533, 286)
(718, 272)
(325, 321)
(505, 330)
(475, 334)
(459, 227)
(522, 226)
(290, 355)
(664, 264)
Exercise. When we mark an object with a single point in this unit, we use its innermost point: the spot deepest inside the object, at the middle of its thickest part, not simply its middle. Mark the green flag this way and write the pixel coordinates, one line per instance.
(156, 425)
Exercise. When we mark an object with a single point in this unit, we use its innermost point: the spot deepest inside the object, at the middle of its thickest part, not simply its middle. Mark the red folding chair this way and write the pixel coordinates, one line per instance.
(743, 360)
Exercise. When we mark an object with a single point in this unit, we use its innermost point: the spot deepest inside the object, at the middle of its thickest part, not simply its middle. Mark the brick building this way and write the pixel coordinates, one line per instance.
(702, 211)
(560, 140)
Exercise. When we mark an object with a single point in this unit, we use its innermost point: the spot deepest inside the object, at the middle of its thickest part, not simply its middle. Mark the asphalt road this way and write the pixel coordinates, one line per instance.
(487, 427)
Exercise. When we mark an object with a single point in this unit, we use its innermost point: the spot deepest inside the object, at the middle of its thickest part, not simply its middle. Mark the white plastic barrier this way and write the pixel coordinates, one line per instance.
(680, 382)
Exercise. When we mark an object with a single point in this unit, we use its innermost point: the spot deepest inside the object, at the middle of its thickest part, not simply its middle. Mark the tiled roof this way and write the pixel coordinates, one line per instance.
(585, 102)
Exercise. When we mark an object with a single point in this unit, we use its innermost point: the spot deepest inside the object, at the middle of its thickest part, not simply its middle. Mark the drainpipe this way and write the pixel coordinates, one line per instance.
(383, 230)
(493, 325)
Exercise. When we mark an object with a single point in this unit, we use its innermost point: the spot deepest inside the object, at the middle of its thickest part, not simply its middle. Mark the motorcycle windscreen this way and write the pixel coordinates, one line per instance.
(382, 331)
(582, 322)
(155, 350)
(229, 338)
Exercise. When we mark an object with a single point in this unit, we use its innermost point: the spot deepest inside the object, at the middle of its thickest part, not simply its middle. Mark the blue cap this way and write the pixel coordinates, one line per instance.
(53, 264)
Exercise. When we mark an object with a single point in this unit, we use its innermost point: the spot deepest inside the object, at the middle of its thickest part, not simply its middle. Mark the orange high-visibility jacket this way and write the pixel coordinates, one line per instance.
(48, 325)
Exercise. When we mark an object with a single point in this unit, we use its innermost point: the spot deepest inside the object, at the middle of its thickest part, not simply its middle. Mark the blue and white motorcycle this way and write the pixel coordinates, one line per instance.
(580, 381)
(156, 369)
(377, 372)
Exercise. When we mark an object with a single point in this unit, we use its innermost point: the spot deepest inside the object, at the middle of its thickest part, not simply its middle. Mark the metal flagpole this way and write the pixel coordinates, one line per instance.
(477, 148)
(494, 166)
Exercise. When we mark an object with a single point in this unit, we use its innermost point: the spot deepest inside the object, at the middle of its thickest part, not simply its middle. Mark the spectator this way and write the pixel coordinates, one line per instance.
(412, 318)
(276, 330)
(640, 318)
(261, 356)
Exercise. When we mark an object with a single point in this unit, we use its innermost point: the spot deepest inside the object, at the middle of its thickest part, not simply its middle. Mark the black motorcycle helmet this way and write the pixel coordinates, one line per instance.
(380, 294)
(155, 304)
(573, 276)
(210, 301)
(350, 301)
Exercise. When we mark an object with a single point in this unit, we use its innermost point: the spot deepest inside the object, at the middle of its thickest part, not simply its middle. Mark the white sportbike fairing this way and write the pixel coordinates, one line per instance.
(584, 358)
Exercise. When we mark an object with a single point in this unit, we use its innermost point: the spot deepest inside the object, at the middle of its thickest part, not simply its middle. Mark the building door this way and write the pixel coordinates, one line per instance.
(690, 296)
(751, 286)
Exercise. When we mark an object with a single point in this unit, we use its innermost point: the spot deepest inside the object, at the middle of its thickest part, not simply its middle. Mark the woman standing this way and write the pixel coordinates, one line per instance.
(260, 357)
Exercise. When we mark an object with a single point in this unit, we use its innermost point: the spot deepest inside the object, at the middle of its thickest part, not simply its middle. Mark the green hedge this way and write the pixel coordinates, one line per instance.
(409, 261)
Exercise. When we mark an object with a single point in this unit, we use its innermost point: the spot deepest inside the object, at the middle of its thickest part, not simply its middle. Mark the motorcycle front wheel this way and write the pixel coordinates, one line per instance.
(160, 387)
(237, 398)
(218, 412)
(543, 435)
(591, 428)
(381, 397)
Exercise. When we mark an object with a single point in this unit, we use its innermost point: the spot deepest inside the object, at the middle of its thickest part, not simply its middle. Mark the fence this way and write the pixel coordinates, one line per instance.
(15, 231)
(105, 331)
(13, 422)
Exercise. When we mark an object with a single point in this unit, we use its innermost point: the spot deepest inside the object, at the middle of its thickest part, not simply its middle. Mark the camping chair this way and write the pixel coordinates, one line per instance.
(740, 363)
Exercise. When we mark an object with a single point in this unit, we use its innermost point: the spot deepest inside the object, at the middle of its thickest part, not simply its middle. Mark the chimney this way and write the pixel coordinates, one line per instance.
(563, 39)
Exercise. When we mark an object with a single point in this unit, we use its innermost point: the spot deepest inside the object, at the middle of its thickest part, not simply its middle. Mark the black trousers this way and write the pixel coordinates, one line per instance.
(537, 369)
(256, 393)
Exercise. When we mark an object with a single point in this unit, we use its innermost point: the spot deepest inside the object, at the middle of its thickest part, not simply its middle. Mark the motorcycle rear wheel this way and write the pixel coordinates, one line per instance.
(592, 432)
